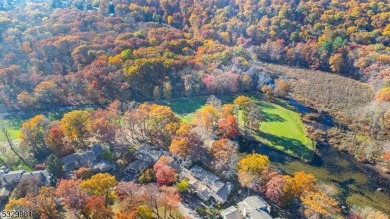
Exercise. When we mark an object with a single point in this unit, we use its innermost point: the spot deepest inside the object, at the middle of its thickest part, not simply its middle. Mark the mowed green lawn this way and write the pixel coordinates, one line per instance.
(14, 134)
(281, 127)
(14, 130)
(15, 122)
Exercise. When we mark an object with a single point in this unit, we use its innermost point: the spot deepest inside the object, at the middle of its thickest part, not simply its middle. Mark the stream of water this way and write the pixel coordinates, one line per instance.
(356, 183)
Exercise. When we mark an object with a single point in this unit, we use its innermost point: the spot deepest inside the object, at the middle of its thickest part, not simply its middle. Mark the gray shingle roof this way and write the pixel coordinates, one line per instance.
(71, 158)
(223, 193)
(87, 158)
(255, 207)
(97, 150)
(102, 166)
(231, 213)
(149, 153)
(206, 184)
(5, 192)
(137, 166)
(1, 173)
(71, 166)
(11, 177)
(41, 175)
(212, 181)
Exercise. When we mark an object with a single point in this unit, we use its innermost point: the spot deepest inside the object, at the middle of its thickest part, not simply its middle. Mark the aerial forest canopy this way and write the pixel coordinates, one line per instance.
(137, 107)
(73, 55)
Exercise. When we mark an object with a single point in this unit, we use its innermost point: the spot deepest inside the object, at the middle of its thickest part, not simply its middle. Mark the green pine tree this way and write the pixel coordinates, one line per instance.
(55, 167)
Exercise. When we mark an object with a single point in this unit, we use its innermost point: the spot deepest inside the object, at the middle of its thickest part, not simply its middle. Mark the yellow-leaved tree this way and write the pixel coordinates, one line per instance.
(252, 169)
(317, 203)
(297, 185)
(77, 125)
(32, 134)
(100, 184)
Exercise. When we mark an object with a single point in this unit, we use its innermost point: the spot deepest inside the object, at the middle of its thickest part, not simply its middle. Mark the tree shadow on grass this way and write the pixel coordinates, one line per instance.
(347, 191)
(275, 155)
(284, 104)
(345, 187)
(184, 105)
(289, 145)
(271, 117)
(264, 104)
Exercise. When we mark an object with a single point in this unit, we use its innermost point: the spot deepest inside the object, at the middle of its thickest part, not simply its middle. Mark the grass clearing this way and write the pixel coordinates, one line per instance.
(15, 126)
(15, 122)
(184, 106)
(281, 129)
(14, 134)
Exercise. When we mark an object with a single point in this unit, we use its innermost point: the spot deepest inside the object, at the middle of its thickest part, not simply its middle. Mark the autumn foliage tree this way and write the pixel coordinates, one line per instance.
(129, 195)
(26, 187)
(83, 173)
(224, 156)
(250, 112)
(207, 117)
(298, 184)
(100, 184)
(273, 189)
(228, 127)
(186, 143)
(251, 170)
(45, 203)
(77, 125)
(318, 203)
(165, 174)
(54, 138)
(243, 101)
(96, 207)
(72, 194)
(33, 134)
(282, 87)
(159, 118)
(180, 146)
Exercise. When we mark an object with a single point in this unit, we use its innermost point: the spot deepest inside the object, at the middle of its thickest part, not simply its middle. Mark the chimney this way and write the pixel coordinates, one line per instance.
(4, 169)
(229, 187)
(49, 180)
(244, 213)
